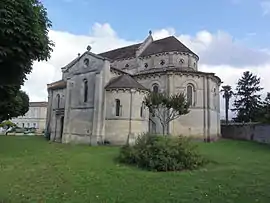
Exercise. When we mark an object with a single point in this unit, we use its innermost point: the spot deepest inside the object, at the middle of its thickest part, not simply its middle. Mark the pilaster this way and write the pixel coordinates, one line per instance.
(208, 108)
(68, 100)
(96, 112)
(204, 108)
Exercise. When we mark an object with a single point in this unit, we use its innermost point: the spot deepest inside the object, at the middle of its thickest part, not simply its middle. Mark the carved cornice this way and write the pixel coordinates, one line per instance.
(127, 90)
(167, 53)
(176, 71)
(61, 84)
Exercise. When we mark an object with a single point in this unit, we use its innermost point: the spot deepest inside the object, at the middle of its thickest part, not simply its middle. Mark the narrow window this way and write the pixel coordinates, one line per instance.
(34, 124)
(214, 98)
(57, 101)
(85, 88)
(142, 107)
(155, 88)
(117, 107)
(23, 125)
(189, 94)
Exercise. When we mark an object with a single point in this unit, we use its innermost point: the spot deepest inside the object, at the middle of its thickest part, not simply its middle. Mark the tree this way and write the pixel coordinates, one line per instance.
(166, 108)
(16, 102)
(248, 100)
(24, 28)
(227, 95)
(265, 110)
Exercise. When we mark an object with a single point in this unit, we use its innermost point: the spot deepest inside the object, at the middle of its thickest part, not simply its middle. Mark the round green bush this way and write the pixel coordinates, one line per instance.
(162, 153)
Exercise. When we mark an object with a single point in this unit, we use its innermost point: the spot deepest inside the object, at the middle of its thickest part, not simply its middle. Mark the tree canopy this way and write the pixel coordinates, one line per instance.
(265, 110)
(24, 28)
(16, 102)
(247, 103)
(167, 107)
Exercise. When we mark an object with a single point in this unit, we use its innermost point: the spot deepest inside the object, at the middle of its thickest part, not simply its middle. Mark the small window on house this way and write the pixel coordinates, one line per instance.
(85, 89)
(34, 124)
(162, 62)
(117, 107)
(155, 88)
(126, 66)
(23, 125)
(28, 125)
(146, 65)
(86, 62)
(190, 95)
(57, 101)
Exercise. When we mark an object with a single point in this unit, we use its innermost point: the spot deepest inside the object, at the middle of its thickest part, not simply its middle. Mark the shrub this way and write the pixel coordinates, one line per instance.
(162, 153)
(7, 124)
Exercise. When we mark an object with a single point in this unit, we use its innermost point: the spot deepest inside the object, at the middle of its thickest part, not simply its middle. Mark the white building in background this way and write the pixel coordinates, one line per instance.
(34, 118)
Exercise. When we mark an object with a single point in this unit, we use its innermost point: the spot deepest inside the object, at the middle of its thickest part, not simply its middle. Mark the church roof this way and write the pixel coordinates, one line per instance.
(38, 104)
(121, 53)
(60, 84)
(167, 44)
(124, 81)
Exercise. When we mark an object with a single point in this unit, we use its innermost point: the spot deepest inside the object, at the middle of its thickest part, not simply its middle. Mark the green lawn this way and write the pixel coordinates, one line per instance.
(34, 170)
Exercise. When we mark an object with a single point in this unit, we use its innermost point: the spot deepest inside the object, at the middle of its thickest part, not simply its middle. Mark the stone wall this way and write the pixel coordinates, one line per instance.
(130, 122)
(248, 131)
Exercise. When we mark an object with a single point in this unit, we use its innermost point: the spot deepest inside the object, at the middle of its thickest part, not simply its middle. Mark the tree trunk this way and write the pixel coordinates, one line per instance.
(226, 110)
(163, 129)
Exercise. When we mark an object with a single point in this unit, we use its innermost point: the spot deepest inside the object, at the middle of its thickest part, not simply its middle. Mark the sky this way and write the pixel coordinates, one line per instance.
(230, 36)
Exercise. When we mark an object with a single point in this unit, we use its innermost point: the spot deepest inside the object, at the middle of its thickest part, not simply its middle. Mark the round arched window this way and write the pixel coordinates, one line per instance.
(190, 94)
(86, 62)
(155, 88)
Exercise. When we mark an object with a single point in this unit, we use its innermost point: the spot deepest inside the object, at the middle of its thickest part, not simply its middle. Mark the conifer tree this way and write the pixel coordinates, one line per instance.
(247, 103)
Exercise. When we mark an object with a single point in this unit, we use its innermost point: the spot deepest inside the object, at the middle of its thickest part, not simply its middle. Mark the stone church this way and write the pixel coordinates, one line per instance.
(100, 97)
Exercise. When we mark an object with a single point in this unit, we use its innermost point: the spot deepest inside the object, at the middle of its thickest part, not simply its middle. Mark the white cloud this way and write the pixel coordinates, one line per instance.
(67, 46)
(222, 49)
(265, 5)
(219, 53)
(159, 34)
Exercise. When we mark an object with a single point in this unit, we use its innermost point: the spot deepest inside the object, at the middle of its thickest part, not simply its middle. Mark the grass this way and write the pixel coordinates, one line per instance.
(34, 170)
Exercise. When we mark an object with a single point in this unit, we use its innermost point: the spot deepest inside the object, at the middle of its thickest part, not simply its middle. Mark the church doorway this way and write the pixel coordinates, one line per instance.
(61, 126)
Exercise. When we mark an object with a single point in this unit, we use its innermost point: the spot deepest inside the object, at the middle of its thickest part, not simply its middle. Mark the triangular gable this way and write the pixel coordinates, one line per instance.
(73, 62)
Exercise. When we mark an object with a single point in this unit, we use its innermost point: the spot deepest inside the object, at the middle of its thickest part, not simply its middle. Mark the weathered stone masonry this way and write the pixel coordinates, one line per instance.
(100, 97)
